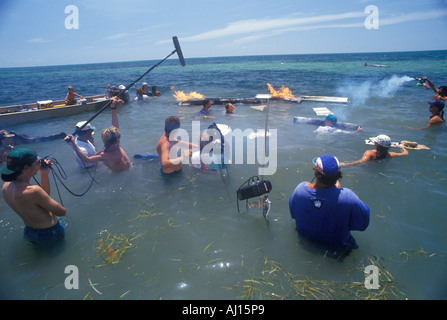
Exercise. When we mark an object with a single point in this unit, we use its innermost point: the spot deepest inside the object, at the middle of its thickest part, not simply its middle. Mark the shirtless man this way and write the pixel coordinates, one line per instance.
(229, 108)
(172, 165)
(32, 203)
(113, 156)
(382, 143)
(70, 99)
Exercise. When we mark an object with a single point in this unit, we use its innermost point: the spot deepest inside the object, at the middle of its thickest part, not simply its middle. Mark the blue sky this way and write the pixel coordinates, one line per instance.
(33, 32)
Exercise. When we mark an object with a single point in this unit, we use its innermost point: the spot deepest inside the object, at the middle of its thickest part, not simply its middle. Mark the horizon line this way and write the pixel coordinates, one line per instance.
(235, 56)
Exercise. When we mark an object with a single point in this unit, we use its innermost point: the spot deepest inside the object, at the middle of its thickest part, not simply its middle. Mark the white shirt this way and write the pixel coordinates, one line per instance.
(88, 148)
(329, 130)
(143, 98)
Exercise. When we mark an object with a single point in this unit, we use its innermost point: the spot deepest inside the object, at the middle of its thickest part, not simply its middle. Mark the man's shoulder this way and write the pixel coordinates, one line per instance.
(30, 192)
(301, 187)
(349, 196)
(162, 141)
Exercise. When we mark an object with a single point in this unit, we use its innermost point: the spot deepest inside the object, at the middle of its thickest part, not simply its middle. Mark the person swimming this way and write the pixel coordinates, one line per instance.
(329, 126)
(382, 143)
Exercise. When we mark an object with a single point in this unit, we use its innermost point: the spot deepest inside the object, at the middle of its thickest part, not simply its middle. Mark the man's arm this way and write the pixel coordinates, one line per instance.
(116, 102)
(44, 181)
(166, 162)
(86, 159)
(43, 200)
(431, 84)
(360, 217)
(368, 155)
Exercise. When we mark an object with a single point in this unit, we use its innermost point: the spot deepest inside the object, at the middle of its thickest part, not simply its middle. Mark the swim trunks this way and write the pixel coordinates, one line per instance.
(43, 236)
(171, 173)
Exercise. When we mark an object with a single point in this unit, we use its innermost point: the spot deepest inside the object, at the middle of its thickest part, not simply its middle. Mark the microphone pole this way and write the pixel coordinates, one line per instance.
(177, 50)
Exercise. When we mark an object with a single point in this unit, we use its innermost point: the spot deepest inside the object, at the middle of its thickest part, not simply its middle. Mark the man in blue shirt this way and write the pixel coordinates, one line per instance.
(206, 107)
(325, 212)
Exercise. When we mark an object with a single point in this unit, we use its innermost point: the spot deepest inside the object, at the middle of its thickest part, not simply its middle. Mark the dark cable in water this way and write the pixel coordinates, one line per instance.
(60, 174)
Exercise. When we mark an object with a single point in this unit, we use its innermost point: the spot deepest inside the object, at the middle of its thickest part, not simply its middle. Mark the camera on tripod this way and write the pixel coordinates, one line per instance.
(254, 189)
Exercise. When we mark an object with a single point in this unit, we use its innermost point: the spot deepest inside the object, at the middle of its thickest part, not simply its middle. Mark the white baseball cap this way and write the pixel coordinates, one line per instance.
(382, 139)
(88, 126)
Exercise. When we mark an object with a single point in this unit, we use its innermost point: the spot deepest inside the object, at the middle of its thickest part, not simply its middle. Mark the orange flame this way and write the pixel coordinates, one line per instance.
(181, 96)
(283, 92)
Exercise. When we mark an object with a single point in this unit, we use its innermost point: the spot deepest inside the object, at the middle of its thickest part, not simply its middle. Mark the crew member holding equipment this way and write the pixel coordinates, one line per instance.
(113, 156)
(85, 142)
(32, 203)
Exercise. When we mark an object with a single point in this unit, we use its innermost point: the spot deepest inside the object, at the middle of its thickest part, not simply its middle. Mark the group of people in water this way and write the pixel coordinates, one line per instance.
(340, 210)
(324, 212)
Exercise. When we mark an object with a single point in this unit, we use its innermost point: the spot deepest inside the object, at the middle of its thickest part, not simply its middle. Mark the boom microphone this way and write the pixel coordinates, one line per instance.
(179, 51)
(182, 62)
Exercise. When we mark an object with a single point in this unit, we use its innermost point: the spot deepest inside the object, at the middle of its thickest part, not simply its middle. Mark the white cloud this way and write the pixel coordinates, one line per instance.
(117, 36)
(275, 33)
(256, 29)
(38, 40)
(254, 25)
(416, 16)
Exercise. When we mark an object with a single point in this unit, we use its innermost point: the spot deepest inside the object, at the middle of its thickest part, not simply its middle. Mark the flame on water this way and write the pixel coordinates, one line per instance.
(181, 96)
(283, 92)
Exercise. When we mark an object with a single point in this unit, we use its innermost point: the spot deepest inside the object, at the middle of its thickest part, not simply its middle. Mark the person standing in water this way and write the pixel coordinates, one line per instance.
(441, 93)
(32, 203)
(113, 156)
(437, 113)
(171, 165)
(324, 212)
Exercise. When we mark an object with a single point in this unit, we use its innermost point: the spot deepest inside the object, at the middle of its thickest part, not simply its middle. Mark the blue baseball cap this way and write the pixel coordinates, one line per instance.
(327, 165)
(331, 117)
(437, 103)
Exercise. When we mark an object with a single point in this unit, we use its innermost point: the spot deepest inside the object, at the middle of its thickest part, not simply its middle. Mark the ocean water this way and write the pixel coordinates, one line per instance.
(190, 240)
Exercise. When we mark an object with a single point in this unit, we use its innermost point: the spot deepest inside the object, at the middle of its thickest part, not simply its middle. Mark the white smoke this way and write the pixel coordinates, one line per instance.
(386, 88)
